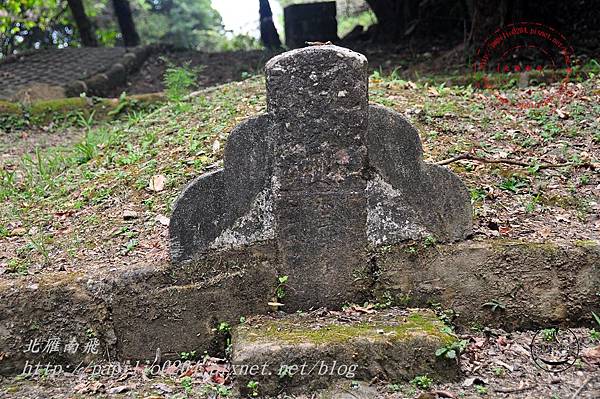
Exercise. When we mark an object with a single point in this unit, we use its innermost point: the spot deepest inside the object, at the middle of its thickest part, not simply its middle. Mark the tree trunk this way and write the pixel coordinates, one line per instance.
(86, 30)
(268, 33)
(126, 24)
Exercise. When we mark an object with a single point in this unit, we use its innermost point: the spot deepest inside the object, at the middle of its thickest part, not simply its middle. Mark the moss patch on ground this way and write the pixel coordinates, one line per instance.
(47, 111)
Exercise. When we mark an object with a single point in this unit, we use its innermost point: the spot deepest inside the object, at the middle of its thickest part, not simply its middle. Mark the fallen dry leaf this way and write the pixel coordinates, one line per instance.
(592, 355)
(119, 389)
(157, 183)
(361, 309)
(19, 231)
(162, 220)
(162, 387)
(216, 146)
(129, 214)
(562, 114)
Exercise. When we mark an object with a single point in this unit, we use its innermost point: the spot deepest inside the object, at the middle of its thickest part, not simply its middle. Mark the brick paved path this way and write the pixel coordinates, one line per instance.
(55, 67)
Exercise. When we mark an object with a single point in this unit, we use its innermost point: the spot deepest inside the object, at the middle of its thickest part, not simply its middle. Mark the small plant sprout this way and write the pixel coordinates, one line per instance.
(514, 184)
(422, 382)
(430, 241)
(223, 391)
(253, 387)
(386, 301)
(453, 350)
(281, 286)
(394, 388)
(478, 195)
(285, 372)
(530, 207)
(90, 333)
(595, 334)
(481, 389)
(178, 81)
(549, 334)
(224, 327)
(187, 355)
(280, 290)
(124, 103)
(411, 249)
(186, 383)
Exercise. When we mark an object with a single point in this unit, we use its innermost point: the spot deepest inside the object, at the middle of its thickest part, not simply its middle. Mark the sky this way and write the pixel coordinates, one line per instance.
(241, 16)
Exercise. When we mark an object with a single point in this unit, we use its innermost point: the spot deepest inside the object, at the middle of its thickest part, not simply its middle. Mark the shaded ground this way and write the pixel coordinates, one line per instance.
(413, 58)
(495, 364)
(212, 69)
(217, 68)
(42, 138)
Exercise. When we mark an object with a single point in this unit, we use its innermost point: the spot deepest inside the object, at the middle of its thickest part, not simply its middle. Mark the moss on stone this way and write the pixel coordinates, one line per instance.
(8, 108)
(294, 331)
(45, 111)
(58, 105)
(588, 244)
(53, 280)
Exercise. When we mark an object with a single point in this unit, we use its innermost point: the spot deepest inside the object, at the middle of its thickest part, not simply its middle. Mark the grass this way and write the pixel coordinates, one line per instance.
(111, 166)
(62, 205)
(179, 80)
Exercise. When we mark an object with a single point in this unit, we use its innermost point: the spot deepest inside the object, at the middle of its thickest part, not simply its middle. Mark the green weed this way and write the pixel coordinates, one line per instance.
(422, 382)
(179, 81)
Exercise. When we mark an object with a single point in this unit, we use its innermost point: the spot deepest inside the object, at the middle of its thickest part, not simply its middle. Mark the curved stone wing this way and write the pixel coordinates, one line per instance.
(407, 198)
(226, 208)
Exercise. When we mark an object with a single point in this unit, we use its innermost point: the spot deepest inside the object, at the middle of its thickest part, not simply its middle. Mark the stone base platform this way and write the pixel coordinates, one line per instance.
(307, 352)
(136, 312)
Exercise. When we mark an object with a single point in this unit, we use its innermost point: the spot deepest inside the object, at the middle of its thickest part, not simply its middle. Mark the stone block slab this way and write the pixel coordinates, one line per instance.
(508, 284)
(308, 352)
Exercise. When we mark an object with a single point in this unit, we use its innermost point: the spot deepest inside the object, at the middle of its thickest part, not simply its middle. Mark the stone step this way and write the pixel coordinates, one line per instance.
(312, 351)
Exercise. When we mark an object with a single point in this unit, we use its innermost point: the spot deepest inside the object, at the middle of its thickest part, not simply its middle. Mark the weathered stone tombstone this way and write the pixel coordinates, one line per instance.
(321, 178)
(310, 22)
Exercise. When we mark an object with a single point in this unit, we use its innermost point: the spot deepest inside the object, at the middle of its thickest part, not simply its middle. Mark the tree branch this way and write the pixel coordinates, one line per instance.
(514, 390)
(471, 157)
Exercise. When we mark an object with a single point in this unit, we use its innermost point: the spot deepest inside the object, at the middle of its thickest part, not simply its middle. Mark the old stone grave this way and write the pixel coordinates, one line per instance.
(320, 179)
(316, 205)
(315, 185)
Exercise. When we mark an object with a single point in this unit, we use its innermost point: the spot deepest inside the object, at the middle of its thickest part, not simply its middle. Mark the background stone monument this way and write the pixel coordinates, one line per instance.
(310, 22)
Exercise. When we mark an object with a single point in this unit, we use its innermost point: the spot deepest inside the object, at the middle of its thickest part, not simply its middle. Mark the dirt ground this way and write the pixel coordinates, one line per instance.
(212, 69)
(412, 59)
(495, 364)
